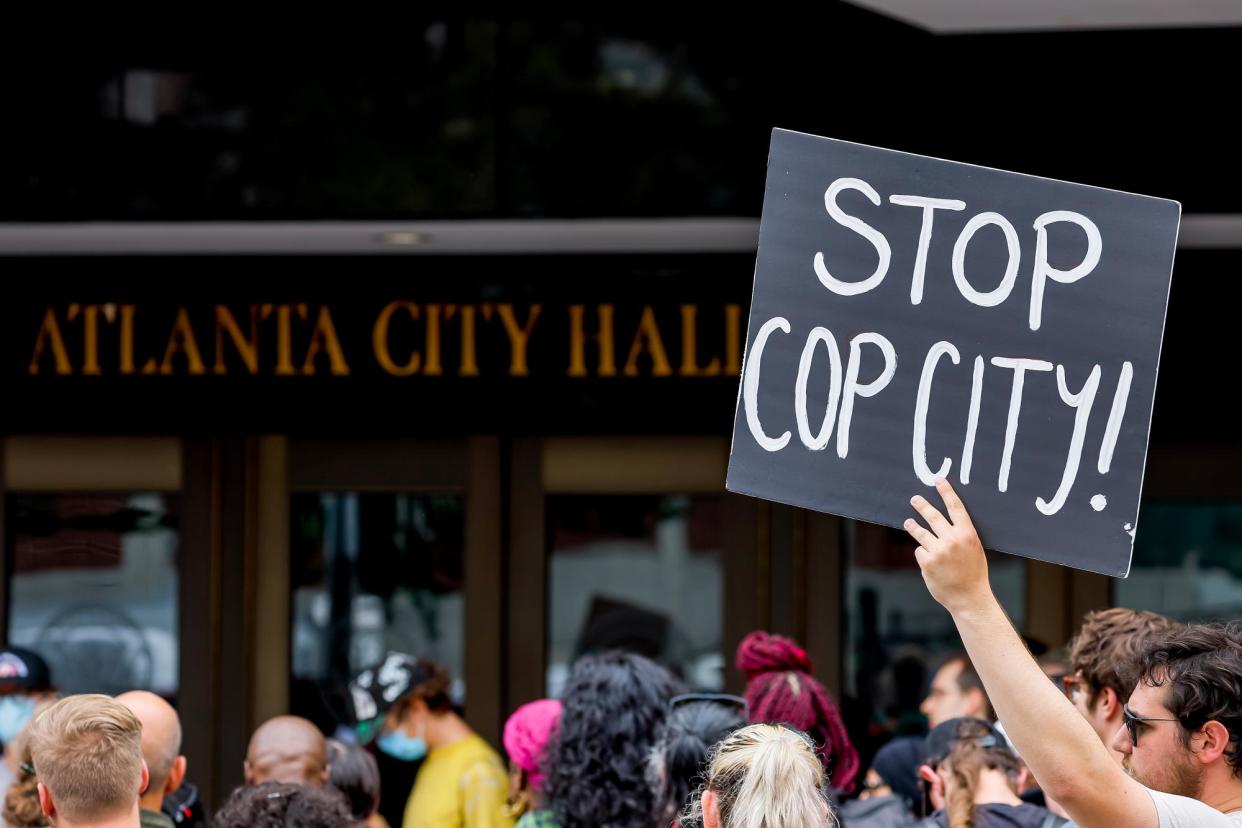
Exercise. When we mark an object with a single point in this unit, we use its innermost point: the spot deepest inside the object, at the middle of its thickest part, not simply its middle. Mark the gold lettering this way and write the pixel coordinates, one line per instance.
(182, 339)
(90, 337)
(689, 346)
(647, 338)
(325, 333)
(469, 361)
(49, 334)
(284, 335)
(379, 340)
(733, 340)
(577, 342)
(247, 349)
(431, 367)
(518, 337)
(127, 339)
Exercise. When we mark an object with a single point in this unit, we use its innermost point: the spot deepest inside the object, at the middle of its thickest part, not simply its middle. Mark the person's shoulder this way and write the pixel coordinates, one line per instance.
(476, 749)
(879, 810)
(478, 763)
(1022, 815)
(1182, 812)
(154, 819)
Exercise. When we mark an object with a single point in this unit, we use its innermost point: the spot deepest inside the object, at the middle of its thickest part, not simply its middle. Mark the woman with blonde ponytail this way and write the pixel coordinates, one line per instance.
(974, 778)
(764, 776)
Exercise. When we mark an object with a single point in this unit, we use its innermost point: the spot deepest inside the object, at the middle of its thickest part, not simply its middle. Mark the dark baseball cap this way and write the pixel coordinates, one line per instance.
(22, 669)
(376, 689)
(897, 763)
(939, 743)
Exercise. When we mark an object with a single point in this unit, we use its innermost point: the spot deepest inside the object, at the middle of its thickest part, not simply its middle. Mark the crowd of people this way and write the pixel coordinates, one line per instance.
(1141, 727)
(626, 745)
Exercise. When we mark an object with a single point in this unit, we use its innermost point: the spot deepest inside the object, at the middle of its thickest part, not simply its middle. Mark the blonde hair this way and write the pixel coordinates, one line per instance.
(87, 752)
(766, 776)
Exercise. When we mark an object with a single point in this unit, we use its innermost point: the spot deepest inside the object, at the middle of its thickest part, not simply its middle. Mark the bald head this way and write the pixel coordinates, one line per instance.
(287, 749)
(161, 741)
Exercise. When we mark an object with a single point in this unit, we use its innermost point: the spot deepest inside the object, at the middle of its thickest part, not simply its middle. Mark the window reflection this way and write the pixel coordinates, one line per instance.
(372, 572)
(897, 633)
(640, 573)
(1187, 561)
(93, 589)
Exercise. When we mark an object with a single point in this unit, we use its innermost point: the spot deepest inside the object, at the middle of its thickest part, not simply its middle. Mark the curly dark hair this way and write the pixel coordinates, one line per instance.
(613, 704)
(282, 805)
(1202, 666)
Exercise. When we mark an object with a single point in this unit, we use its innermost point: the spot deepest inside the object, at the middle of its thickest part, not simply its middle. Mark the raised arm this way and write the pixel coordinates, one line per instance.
(1063, 752)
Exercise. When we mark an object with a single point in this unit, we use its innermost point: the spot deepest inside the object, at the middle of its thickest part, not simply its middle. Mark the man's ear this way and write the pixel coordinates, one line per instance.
(176, 775)
(146, 778)
(1107, 702)
(248, 772)
(1215, 742)
(45, 802)
(978, 703)
(1024, 776)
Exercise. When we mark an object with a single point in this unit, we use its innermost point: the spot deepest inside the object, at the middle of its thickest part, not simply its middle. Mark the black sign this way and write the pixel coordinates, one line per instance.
(915, 318)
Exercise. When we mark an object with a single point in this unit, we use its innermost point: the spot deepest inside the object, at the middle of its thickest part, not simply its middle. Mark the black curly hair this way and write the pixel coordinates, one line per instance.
(613, 704)
(282, 805)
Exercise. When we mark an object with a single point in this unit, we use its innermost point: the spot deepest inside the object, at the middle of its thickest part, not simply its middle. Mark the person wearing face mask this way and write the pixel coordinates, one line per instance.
(405, 704)
(25, 680)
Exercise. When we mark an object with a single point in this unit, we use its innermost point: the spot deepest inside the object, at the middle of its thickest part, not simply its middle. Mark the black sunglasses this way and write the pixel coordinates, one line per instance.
(1134, 722)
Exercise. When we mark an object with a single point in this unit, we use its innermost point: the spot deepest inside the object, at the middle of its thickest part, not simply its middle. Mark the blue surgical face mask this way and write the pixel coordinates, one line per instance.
(400, 746)
(15, 711)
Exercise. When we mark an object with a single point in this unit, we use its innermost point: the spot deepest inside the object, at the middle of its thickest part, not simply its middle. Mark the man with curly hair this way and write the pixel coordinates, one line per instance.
(1104, 662)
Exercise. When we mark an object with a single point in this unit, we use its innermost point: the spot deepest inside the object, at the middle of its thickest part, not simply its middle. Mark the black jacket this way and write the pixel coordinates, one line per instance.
(1003, 816)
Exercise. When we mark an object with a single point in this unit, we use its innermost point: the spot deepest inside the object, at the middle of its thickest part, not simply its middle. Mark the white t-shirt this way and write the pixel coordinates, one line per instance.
(1183, 812)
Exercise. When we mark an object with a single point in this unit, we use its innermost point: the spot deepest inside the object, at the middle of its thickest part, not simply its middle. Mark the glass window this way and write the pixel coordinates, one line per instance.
(637, 572)
(897, 633)
(1187, 561)
(93, 589)
(372, 572)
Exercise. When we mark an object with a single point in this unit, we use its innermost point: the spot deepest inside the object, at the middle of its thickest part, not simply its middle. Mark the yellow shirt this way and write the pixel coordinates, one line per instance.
(462, 785)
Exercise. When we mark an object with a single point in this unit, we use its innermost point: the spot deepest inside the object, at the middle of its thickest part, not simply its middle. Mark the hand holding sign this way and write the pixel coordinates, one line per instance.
(950, 553)
(1022, 360)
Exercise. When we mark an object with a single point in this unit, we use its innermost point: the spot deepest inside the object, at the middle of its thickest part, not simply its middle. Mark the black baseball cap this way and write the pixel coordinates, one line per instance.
(376, 689)
(22, 669)
(939, 743)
